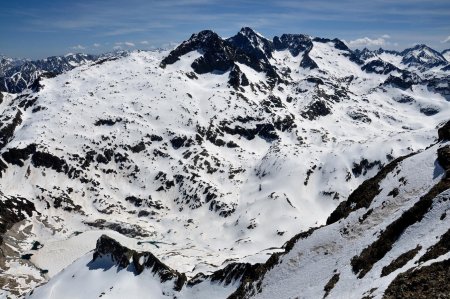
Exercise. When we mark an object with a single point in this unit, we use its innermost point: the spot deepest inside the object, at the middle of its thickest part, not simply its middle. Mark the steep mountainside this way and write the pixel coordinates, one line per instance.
(210, 156)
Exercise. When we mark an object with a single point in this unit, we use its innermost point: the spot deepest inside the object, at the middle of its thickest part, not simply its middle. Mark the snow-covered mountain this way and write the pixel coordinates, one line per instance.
(211, 156)
(424, 56)
(16, 75)
(446, 54)
(7, 63)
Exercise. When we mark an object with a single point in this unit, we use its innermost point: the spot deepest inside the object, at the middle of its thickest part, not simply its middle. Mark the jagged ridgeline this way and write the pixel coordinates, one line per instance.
(194, 165)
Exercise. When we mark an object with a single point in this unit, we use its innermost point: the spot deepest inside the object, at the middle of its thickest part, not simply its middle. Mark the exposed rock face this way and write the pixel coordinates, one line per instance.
(307, 62)
(251, 42)
(400, 261)
(13, 210)
(405, 81)
(422, 283)
(444, 158)
(125, 258)
(221, 55)
(316, 109)
(131, 260)
(379, 66)
(7, 129)
(444, 132)
(295, 43)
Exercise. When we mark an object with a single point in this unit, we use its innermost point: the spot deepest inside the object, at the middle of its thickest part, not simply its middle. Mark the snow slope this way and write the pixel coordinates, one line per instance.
(216, 152)
(316, 264)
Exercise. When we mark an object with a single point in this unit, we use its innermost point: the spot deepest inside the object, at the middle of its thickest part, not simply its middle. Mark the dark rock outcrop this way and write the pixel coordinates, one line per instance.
(17, 156)
(405, 81)
(379, 66)
(137, 262)
(444, 132)
(438, 249)
(400, 261)
(7, 129)
(421, 283)
(429, 111)
(295, 43)
(363, 196)
(221, 55)
(316, 109)
(444, 158)
(252, 43)
(13, 210)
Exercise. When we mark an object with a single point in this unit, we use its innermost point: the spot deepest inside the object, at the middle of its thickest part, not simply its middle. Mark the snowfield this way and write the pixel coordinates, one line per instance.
(170, 158)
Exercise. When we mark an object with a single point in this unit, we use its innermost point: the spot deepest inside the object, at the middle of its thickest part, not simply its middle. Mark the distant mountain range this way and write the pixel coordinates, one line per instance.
(17, 75)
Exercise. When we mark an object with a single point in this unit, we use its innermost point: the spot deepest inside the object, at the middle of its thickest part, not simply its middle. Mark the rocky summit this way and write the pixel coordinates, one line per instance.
(240, 167)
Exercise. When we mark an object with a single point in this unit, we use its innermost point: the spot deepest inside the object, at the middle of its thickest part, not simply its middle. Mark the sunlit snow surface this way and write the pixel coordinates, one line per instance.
(278, 188)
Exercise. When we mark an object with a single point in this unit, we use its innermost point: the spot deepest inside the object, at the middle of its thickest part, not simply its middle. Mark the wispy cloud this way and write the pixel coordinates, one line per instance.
(367, 42)
(78, 47)
(145, 42)
(96, 45)
(129, 44)
(446, 40)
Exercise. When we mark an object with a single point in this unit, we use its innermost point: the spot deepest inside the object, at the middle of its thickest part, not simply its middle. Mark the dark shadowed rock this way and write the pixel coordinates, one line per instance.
(221, 55)
(251, 42)
(295, 43)
(444, 132)
(429, 111)
(137, 262)
(421, 283)
(444, 158)
(400, 261)
(315, 110)
(379, 66)
(12, 210)
(405, 81)
(17, 156)
(7, 129)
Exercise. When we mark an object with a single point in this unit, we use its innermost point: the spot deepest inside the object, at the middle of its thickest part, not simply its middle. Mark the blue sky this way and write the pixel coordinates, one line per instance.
(36, 29)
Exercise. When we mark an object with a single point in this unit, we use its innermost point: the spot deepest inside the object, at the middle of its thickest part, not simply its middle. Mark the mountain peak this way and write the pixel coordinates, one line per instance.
(250, 41)
(247, 31)
(423, 56)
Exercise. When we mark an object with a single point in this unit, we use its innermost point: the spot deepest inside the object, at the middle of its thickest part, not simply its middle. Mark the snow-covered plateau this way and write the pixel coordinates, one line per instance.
(228, 168)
